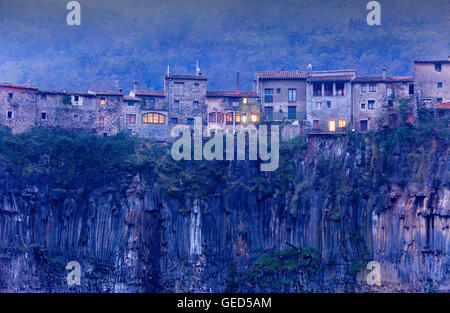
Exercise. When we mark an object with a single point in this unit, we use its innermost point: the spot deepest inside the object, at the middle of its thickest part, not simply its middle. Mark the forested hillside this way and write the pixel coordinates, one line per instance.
(120, 41)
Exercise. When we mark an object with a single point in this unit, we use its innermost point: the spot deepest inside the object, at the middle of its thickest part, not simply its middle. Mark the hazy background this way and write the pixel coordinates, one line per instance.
(120, 41)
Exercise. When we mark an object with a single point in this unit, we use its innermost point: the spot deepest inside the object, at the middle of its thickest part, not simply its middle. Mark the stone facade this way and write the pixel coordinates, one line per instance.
(376, 100)
(329, 101)
(283, 95)
(314, 102)
(229, 110)
(432, 82)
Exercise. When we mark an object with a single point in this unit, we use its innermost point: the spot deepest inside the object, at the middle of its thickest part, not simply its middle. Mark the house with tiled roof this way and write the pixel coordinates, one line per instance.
(329, 100)
(282, 94)
(376, 100)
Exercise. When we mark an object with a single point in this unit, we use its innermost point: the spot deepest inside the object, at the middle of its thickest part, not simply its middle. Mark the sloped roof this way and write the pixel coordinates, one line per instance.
(105, 92)
(281, 75)
(431, 61)
(155, 93)
(185, 76)
(19, 86)
(386, 79)
(231, 94)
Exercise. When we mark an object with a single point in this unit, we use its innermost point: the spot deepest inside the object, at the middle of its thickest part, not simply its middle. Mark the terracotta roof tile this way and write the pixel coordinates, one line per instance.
(445, 105)
(19, 86)
(231, 94)
(155, 93)
(281, 75)
(105, 92)
(186, 76)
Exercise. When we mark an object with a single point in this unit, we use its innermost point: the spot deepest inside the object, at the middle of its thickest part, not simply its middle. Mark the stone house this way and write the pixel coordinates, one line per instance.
(432, 82)
(329, 100)
(18, 106)
(282, 94)
(231, 109)
(376, 100)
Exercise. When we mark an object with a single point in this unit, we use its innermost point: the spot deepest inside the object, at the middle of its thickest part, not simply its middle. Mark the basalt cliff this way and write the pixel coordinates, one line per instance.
(137, 221)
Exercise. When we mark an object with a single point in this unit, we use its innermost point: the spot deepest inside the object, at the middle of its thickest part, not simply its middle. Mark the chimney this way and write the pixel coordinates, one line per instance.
(237, 82)
(135, 85)
(197, 68)
(383, 73)
(168, 70)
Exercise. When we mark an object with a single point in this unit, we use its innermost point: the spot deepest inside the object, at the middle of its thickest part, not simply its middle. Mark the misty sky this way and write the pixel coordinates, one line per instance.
(119, 41)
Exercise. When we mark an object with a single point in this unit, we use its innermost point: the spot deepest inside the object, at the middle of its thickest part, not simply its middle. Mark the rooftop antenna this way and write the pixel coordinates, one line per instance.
(168, 69)
(309, 67)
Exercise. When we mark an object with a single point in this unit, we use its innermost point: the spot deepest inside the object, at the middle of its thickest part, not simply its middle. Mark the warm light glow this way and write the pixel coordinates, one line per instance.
(153, 118)
(254, 117)
(332, 126)
(244, 100)
(341, 123)
(103, 101)
(244, 119)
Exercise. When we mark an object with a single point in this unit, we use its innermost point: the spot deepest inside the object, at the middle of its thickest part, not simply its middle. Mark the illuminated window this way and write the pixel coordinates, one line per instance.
(102, 101)
(332, 126)
(341, 123)
(340, 87)
(101, 120)
(212, 117)
(237, 118)
(131, 118)
(220, 118)
(254, 117)
(153, 118)
(244, 100)
(229, 118)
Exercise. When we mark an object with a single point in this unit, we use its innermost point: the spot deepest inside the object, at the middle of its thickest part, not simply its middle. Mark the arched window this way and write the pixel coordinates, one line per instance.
(153, 118)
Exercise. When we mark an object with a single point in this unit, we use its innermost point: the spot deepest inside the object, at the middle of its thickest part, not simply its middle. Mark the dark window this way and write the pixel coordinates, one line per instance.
(131, 118)
(438, 67)
(130, 103)
(316, 124)
(328, 90)
(340, 89)
(390, 103)
(230, 118)
(220, 118)
(328, 104)
(190, 121)
(151, 103)
(317, 90)
(363, 125)
(268, 95)
(174, 120)
(439, 84)
(10, 96)
(371, 104)
(373, 87)
(130, 132)
(43, 115)
(439, 100)
(77, 98)
(292, 95)
(212, 117)
(411, 89)
(196, 87)
(195, 104)
(10, 114)
(268, 113)
(292, 113)
(176, 104)
(278, 90)
(363, 105)
(43, 96)
(363, 88)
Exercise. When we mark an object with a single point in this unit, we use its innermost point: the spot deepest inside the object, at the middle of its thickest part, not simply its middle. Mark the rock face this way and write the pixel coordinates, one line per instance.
(311, 226)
